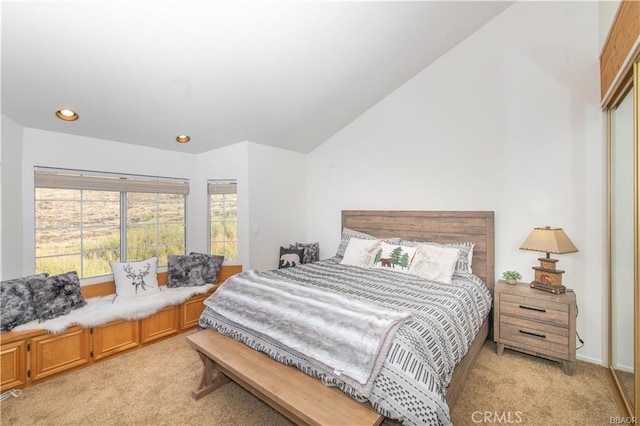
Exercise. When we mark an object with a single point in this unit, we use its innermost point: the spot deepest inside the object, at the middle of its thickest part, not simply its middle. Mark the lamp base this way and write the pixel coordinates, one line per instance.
(547, 272)
(555, 289)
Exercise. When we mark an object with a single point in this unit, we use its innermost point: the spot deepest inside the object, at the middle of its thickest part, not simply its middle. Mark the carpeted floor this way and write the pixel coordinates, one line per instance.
(152, 385)
(535, 391)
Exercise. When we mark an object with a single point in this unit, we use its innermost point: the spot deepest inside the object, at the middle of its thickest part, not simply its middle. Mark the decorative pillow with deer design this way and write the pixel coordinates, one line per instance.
(135, 279)
(57, 295)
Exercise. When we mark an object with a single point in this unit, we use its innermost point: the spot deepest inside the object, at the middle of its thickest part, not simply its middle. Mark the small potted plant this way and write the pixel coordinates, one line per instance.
(511, 277)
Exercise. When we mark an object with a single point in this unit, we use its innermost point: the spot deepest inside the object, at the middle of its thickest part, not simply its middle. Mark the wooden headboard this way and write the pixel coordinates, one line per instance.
(439, 226)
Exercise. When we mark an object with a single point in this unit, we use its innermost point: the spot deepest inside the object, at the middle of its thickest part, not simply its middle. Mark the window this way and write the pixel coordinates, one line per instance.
(84, 220)
(223, 218)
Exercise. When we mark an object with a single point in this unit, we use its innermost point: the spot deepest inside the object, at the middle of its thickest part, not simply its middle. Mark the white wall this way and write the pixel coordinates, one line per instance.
(607, 11)
(271, 194)
(226, 163)
(277, 202)
(11, 152)
(52, 149)
(507, 121)
(269, 198)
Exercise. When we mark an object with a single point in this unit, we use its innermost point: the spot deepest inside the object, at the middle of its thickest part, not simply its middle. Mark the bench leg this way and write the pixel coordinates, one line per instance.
(212, 378)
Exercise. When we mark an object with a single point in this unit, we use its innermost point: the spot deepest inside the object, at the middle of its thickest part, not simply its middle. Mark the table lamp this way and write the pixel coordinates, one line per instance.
(548, 240)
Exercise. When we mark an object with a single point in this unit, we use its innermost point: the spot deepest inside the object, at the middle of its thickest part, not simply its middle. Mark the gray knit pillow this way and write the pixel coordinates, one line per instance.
(57, 295)
(193, 269)
(16, 302)
(211, 266)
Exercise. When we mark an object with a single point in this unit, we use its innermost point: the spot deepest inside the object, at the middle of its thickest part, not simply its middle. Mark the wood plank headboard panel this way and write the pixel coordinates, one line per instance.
(439, 226)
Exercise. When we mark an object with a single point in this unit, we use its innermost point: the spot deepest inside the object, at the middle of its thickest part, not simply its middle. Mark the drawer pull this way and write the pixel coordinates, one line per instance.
(533, 309)
(528, 333)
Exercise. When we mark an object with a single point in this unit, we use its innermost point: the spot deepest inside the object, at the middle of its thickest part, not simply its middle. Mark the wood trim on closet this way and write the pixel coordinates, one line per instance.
(622, 40)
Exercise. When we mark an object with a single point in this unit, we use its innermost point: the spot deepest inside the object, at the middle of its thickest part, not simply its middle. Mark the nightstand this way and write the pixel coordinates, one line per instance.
(535, 322)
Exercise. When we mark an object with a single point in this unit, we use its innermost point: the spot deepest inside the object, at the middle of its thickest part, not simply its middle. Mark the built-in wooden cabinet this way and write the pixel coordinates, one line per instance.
(13, 361)
(191, 310)
(114, 337)
(27, 357)
(161, 324)
(54, 353)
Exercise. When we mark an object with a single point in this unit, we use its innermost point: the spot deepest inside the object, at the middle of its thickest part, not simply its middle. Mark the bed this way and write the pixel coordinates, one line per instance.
(411, 384)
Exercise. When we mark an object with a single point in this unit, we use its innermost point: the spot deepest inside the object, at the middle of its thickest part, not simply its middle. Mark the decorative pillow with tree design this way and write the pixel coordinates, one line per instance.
(394, 257)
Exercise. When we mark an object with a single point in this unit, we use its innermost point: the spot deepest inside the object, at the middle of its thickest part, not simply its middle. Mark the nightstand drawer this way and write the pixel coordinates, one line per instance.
(540, 310)
(534, 335)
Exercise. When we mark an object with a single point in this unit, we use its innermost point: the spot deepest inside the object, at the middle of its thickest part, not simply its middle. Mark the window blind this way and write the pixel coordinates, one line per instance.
(221, 187)
(66, 179)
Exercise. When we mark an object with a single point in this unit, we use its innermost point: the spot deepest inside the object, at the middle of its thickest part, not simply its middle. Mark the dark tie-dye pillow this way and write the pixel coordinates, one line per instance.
(193, 269)
(16, 302)
(311, 251)
(212, 264)
(57, 295)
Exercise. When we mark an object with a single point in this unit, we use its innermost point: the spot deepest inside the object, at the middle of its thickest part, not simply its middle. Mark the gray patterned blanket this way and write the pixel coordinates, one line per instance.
(340, 335)
(412, 382)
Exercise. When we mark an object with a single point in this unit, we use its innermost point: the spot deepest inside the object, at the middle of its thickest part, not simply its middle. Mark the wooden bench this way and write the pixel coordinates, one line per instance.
(301, 398)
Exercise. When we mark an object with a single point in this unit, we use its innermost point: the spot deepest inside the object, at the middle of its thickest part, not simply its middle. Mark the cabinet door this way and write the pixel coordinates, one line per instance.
(163, 323)
(13, 361)
(114, 337)
(191, 311)
(54, 353)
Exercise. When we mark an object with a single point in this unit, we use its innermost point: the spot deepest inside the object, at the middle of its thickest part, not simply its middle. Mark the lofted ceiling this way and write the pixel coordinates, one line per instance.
(288, 74)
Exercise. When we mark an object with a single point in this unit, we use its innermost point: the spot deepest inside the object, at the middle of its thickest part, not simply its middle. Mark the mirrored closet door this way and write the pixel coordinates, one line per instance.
(624, 231)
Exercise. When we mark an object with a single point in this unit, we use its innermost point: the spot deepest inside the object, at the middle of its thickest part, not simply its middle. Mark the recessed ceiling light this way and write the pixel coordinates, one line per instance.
(66, 115)
(183, 138)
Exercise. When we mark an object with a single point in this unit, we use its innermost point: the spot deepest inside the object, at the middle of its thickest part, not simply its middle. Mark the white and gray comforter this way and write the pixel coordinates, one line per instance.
(412, 381)
(340, 335)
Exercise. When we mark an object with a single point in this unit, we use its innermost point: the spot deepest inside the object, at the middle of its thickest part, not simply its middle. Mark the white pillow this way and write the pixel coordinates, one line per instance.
(347, 234)
(394, 256)
(135, 279)
(435, 263)
(359, 252)
(465, 257)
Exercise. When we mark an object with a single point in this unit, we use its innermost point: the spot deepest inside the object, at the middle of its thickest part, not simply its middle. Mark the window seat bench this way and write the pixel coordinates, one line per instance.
(27, 357)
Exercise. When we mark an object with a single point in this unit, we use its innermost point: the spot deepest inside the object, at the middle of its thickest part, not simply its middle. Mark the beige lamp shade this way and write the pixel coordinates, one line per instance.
(549, 240)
